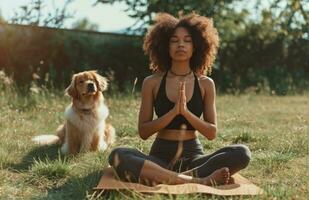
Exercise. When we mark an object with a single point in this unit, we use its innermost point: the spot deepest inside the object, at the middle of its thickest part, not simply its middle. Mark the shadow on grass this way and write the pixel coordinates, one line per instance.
(38, 153)
(76, 187)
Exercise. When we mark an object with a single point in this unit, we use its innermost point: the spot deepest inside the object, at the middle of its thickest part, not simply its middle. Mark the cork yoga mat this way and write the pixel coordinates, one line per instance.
(242, 186)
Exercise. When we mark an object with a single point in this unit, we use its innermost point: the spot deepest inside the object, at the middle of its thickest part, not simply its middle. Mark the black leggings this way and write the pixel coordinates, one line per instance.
(128, 162)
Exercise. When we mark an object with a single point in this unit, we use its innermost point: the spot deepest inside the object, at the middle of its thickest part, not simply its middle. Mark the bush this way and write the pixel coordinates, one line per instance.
(271, 64)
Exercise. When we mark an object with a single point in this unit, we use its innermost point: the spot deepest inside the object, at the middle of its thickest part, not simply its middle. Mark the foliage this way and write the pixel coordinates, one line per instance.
(265, 52)
(289, 14)
(144, 11)
(268, 52)
(84, 24)
(55, 55)
(1, 18)
(34, 14)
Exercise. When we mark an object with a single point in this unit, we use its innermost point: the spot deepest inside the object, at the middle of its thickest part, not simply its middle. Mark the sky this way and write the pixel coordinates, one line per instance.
(100, 14)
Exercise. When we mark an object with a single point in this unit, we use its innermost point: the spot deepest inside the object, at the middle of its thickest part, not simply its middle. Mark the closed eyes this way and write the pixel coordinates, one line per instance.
(187, 39)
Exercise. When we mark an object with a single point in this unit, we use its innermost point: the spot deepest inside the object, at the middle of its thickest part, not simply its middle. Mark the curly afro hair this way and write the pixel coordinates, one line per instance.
(204, 37)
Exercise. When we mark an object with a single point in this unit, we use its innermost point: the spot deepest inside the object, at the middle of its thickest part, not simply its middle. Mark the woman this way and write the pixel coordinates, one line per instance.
(181, 51)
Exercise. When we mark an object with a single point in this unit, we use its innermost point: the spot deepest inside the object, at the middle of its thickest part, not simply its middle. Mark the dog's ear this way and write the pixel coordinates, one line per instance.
(101, 81)
(71, 90)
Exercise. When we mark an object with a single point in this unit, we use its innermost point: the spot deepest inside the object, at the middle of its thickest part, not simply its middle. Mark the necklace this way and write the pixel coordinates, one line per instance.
(186, 74)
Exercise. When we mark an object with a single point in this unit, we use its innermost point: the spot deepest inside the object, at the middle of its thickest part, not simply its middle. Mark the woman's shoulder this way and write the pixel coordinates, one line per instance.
(153, 79)
(206, 82)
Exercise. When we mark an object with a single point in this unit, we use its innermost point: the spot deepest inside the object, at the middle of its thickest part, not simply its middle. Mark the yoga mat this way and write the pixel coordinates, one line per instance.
(242, 186)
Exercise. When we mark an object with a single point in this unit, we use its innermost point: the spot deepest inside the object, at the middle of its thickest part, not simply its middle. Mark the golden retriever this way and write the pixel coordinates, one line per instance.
(85, 128)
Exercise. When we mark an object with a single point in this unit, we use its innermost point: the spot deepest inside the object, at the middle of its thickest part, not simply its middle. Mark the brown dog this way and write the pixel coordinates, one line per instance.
(85, 128)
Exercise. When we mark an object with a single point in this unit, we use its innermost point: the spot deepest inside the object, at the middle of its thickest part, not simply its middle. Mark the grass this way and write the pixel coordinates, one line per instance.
(275, 129)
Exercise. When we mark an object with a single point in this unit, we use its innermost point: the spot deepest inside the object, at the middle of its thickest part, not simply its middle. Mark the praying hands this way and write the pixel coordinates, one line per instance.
(181, 104)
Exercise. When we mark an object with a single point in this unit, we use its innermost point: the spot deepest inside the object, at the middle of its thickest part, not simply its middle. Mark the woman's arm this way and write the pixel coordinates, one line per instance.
(147, 126)
(208, 126)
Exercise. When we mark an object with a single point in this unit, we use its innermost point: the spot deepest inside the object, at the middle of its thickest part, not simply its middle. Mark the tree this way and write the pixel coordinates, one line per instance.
(293, 16)
(85, 24)
(145, 10)
(266, 45)
(1, 18)
(33, 14)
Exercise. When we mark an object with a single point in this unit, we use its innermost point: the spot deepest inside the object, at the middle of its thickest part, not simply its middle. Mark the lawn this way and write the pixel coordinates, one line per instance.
(275, 129)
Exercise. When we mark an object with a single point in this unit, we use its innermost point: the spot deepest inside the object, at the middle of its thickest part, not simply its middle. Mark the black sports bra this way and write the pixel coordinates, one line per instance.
(162, 105)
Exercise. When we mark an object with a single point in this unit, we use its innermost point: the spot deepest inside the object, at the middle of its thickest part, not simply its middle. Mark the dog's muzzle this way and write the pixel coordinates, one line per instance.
(90, 87)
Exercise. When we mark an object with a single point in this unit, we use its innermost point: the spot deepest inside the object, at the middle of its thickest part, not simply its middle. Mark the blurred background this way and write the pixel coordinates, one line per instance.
(264, 44)
(261, 74)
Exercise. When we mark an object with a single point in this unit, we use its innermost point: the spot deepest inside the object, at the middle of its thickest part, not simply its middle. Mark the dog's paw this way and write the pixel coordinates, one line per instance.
(110, 134)
(65, 149)
(102, 146)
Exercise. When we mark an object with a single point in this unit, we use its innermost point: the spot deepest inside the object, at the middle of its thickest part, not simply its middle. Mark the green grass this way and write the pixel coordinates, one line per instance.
(275, 129)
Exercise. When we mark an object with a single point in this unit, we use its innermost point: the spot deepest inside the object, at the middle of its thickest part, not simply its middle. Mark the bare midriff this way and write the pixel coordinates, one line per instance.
(177, 135)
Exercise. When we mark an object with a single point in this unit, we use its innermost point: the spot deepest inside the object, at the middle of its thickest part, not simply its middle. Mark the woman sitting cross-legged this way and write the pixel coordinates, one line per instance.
(181, 51)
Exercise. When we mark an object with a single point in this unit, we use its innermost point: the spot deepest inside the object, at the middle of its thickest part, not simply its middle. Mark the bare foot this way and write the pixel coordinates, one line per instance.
(231, 180)
(218, 177)
(109, 172)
